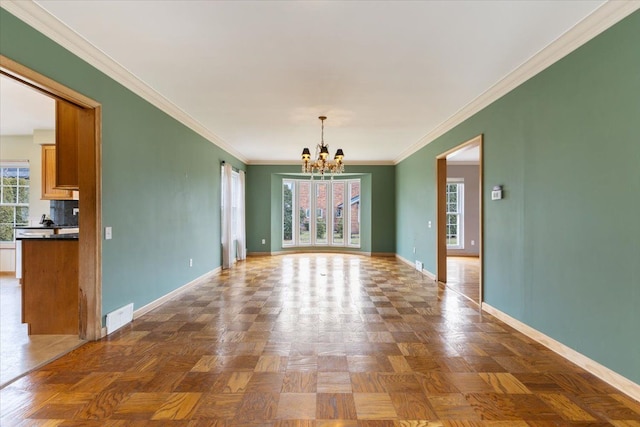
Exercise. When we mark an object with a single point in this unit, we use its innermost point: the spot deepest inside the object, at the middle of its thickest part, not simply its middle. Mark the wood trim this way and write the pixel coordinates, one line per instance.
(613, 378)
(441, 218)
(480, 139)
(90, 271)
(89, 176)
(441, 249)
(43, 84)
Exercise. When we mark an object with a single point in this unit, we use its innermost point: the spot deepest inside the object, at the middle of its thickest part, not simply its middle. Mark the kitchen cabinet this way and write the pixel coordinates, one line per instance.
(73, 126)
(49, 188)
(50, 301)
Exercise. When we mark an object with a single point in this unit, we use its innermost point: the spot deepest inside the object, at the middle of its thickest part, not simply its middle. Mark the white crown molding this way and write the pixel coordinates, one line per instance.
(35, 16)
(602, 18)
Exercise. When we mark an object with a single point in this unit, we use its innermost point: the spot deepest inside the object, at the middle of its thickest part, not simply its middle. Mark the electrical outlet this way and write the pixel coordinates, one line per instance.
(473, 243)
(75, 211)
(414, 249)
(429, 224)
(107, 233)
(264, 241)
(190, 262)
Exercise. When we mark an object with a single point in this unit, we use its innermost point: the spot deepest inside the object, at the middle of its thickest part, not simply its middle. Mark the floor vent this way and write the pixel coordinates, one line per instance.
(120, 317)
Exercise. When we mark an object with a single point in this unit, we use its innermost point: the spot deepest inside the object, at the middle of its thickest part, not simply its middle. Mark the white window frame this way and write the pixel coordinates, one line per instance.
(345, 214)
(459, 213)
(235, 200)
(17, 204)
(294, 217)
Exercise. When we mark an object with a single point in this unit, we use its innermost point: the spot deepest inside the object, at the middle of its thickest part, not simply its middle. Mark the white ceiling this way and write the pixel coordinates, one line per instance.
(255, 75)
(469, 154)
(22, 109)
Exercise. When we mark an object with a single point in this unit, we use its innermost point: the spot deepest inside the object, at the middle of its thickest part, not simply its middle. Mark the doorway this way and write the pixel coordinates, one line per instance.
(89, 184)
(459, 213)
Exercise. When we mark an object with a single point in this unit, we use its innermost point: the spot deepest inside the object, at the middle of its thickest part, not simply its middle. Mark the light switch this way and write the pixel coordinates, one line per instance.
(107, 233)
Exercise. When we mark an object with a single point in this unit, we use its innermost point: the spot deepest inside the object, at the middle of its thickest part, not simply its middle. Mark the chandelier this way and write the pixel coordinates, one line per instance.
(322, 164)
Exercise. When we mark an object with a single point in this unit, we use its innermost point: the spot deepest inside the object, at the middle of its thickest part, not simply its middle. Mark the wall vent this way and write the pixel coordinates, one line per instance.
(120, 317)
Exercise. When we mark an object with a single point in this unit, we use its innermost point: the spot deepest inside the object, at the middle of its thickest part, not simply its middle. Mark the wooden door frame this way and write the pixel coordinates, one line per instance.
(90, 184)
(441, 199)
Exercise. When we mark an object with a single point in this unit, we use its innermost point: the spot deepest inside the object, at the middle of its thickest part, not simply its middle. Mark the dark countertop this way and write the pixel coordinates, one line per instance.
(67, 236)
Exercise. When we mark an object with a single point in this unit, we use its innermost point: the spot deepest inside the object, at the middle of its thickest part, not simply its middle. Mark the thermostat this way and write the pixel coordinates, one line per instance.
(496, 193)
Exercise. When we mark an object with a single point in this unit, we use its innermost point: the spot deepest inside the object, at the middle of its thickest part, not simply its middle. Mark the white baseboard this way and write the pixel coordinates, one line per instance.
(427, 273)
(384, 254)
(249, 254)
(154, 304)
(623, 384)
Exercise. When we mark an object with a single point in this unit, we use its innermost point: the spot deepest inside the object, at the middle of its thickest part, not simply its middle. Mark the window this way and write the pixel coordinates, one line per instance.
(354, 213)
(331, 220)
(338, 207)
(236, 195)
(304, 205)
(288, 188)
(455, 210)
(14, 198)
(235, 203)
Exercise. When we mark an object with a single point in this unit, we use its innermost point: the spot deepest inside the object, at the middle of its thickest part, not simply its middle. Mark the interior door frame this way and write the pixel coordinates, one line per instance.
(441, 202)
(89, 183)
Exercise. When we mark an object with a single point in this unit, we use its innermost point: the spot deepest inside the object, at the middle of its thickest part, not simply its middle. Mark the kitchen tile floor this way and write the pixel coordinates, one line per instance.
(19, 352)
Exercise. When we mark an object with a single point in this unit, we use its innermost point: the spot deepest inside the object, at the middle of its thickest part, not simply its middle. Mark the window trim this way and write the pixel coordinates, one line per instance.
(235, 201)
(327, 214)
(15, 164)
(459, 182)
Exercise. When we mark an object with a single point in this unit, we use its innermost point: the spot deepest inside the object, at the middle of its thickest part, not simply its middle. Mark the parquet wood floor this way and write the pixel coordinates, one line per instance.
(315, 341)
(463, 275)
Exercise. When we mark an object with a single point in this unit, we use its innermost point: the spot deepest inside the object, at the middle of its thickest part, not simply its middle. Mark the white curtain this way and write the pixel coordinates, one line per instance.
(227, 229)
(241, 233)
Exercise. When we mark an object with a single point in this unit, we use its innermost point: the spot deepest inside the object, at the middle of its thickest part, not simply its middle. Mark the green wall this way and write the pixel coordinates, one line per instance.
(562, 250)
(160, 180)
(264, 206)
